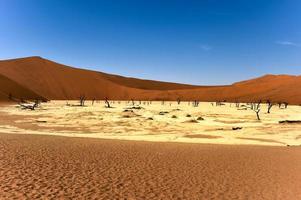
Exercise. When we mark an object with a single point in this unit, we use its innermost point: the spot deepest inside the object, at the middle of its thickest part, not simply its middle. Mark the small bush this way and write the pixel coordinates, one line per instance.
(192, 121)
(200, 118)
(163, 112)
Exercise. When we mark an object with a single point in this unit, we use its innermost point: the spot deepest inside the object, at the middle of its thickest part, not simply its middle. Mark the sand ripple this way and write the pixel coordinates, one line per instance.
(49, 167)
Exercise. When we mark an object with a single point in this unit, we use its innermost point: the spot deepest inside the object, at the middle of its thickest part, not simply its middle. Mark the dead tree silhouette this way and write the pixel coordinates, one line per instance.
(285, 105)
(256, 109)
(279, 104)
(108, 103)
(10, 96)
(30, 106)
(82, 100)
(237, 104)
(270, 105)
(195, 103)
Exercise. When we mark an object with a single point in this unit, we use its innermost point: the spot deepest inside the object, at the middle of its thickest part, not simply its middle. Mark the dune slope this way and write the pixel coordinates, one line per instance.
(56, 81)
(14, 91)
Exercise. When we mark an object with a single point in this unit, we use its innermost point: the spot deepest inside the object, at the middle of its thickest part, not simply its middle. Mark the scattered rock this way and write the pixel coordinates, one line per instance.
(188, 115)
(290, 122)
(192, 121)
(150, 118)
(136, 107)
(174, 116)
(163, 112)
(200, 118)
(126, 110)
(41, 121)
(130, 114)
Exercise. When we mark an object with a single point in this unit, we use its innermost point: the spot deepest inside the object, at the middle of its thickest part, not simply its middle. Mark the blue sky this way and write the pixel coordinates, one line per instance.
(199, 42)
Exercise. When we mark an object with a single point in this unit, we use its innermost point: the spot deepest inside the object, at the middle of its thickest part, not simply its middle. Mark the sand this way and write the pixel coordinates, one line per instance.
(156, 122)
(160, 151)
(52, 167)
(35, 76)
(204, 152)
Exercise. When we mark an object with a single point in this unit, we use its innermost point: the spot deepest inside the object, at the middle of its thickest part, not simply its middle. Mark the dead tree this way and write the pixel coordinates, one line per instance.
(279, 104)
(179, 101)
(195, 103)
(10, 96)
(256, 109)
(82, 100)
(30, 106)
(285, 105)
(270, 105)
(251, 106)
(218, 103)
(108, 103)
(133, 102)
(93, 100)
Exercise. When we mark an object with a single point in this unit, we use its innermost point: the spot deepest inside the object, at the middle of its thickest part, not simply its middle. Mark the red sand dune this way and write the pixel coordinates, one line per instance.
(35, 76)
(11, 89)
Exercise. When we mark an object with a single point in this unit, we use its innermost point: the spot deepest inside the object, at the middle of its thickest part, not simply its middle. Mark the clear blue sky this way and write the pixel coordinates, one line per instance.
(197, 42)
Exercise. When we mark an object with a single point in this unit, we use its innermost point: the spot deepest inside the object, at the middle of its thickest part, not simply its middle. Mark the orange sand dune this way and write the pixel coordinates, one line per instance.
(56, 81)
(15, 91)
(145, 84)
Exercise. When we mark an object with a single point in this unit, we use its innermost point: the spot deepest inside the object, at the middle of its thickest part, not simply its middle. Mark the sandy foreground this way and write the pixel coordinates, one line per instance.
(169, 122)
(52, 167)
(260, 161)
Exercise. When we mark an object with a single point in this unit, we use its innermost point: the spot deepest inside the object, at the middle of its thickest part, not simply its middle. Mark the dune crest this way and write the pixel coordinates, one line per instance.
(35, 77)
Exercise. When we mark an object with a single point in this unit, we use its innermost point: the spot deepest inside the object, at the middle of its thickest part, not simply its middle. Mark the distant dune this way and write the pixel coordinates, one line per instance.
(35, 77)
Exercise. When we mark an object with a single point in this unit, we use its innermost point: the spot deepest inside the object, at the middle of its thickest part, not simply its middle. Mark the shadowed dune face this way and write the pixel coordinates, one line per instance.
(12, 90)
(56, 81)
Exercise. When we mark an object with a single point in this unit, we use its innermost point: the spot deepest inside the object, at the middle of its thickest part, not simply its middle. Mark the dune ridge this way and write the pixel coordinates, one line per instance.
(39, 77)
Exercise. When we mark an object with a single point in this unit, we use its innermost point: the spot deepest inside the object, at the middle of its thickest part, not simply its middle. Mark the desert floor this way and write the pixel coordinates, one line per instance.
(53, 167)
(260, 161)
(156, 122)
